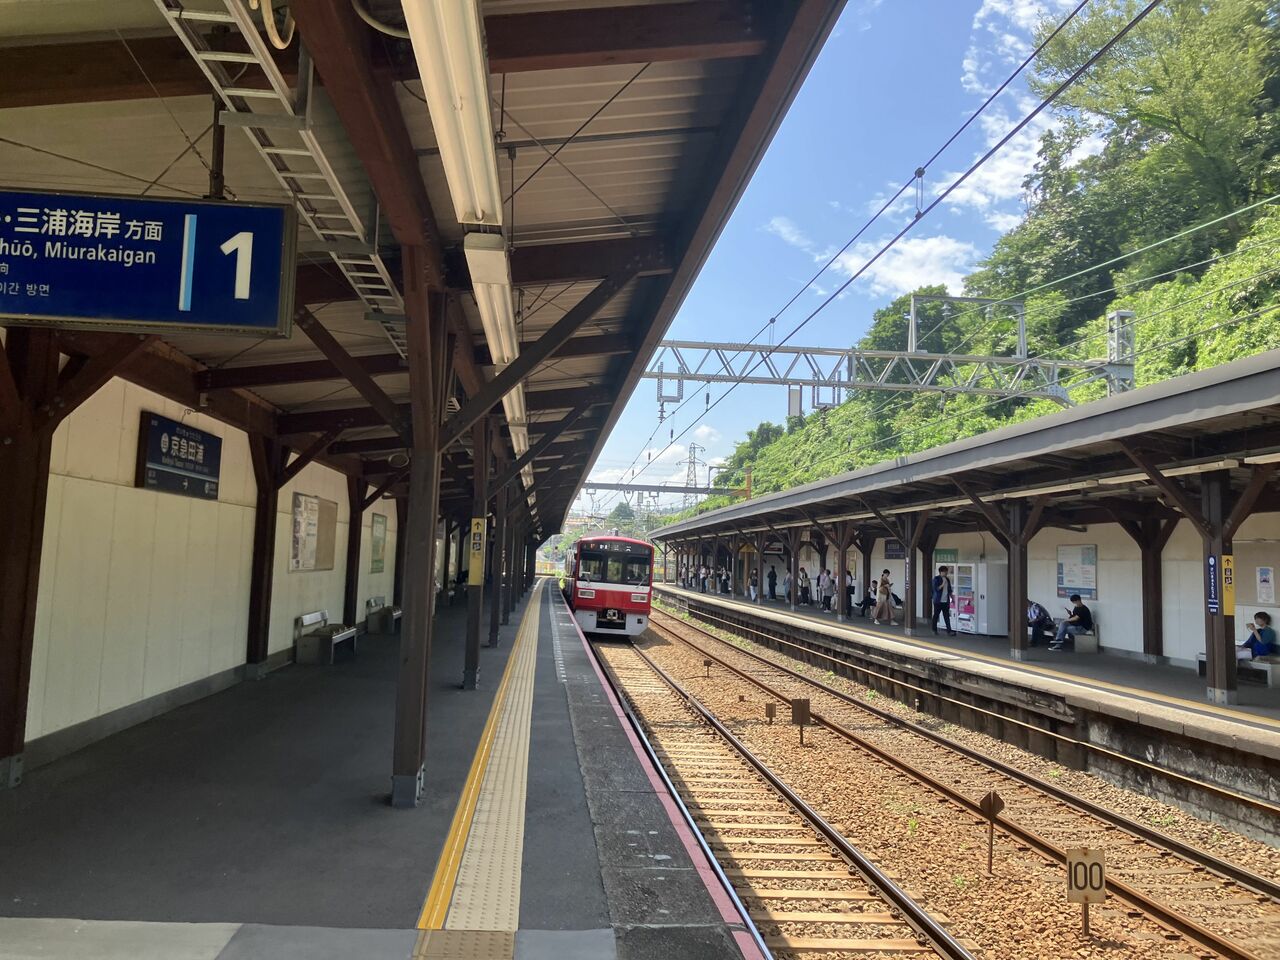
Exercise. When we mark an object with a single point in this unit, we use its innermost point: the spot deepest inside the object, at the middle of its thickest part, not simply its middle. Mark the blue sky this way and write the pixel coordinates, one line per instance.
(895, 78)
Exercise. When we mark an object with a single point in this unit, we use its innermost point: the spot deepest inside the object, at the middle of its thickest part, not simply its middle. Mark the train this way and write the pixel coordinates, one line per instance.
(608, 585)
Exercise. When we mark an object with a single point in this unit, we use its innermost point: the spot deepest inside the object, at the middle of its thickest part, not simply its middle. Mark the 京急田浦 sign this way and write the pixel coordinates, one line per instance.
(124, 263)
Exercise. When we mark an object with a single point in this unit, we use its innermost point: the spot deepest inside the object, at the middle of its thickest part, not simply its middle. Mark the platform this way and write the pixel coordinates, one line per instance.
(1150, 711)
(255, 823)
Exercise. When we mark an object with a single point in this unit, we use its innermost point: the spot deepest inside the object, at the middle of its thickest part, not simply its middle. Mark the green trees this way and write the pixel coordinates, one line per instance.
(1175, 127)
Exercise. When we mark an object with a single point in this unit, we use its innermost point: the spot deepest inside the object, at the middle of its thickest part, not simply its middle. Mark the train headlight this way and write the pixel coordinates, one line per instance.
(639, 597)
(586, 594)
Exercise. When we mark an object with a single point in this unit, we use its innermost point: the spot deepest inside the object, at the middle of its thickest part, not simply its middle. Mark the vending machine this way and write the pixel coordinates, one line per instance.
(980, 599)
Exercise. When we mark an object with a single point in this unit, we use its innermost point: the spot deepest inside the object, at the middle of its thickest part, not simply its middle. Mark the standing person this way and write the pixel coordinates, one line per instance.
(828, 590)
(1080, 620)
(884, 601)
(1262, 638)
(850, 590)
(702, 577)
(942, 599)
(806, 596)
(772, 579)
(1040, 622)
(755, 585)
(786, 585)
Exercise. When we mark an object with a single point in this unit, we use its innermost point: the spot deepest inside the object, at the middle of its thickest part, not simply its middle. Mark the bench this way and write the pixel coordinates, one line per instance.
(1086, 642)
(1264, 670)
(378, 617)
(315, 638)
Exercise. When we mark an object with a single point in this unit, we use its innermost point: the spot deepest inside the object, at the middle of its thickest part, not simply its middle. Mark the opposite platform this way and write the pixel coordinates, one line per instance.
(1113, 703)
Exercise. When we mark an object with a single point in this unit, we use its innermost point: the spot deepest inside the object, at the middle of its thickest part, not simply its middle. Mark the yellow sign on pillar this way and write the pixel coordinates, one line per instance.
(475, 572)
(1228, 585)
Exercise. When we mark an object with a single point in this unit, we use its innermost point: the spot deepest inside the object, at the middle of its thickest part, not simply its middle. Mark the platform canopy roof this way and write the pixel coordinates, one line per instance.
(624, 133)
(1131, 457)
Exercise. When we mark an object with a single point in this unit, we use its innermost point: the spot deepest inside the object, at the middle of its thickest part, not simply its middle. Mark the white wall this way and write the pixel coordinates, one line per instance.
(142, 592)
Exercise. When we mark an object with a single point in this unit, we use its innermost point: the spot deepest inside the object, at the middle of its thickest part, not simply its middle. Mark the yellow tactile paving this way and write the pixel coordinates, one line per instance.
(477, 883)
(464, 945)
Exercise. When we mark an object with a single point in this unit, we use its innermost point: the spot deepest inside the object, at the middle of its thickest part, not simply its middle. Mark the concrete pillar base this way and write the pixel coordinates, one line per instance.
(1016, 654)
(470, 679)
(1219, 695)
(406, 789)
(256, 671)
(10, 771)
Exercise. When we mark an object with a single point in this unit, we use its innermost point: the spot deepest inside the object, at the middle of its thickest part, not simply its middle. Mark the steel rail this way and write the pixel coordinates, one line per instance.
(1162, 914)
(915, 915)
(1257, 883)
(1257, 803)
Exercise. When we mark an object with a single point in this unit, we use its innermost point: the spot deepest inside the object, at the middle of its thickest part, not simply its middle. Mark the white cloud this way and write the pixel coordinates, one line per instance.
(999, 180)
(786, 230)
(1001, 37)
(705, 434)
(912, 262)
(1003, 222)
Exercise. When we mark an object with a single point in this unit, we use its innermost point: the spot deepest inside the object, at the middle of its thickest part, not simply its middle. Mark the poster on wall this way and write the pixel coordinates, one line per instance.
(377, 543)
(306, 530)
(1266, 585)
(1078, 570)
(314, 533)
(175, 458)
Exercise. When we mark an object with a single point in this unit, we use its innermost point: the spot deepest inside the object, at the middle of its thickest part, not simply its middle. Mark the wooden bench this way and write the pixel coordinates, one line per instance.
(315, 639)
(380, 618)
(1265, 670)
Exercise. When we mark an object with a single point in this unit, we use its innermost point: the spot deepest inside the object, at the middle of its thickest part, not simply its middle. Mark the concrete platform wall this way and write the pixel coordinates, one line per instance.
(143, 592)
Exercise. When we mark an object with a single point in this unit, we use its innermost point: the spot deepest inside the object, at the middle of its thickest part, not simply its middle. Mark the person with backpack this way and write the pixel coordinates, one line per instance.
(772, 579)
(884, 601)
(942, 594)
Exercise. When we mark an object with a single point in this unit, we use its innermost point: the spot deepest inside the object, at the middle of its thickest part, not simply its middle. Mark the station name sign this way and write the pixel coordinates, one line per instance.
(176, 458)
(151, 266)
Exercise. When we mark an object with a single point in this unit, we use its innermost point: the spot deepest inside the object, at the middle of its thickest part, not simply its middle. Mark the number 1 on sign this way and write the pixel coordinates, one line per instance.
(242, 245)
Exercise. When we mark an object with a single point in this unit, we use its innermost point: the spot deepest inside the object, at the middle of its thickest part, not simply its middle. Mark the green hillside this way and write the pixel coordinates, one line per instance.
(1179, 195)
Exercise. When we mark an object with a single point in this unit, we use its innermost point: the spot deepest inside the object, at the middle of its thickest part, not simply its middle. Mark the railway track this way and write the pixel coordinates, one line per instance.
(807, 889)
(1216, 904)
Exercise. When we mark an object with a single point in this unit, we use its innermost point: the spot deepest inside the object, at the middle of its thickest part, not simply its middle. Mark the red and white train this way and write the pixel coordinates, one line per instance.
(608, 583)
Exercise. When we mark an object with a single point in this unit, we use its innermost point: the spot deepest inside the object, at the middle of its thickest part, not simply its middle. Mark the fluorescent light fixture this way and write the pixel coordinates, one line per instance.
(490, 269)
(448, 43)
(1263, 458)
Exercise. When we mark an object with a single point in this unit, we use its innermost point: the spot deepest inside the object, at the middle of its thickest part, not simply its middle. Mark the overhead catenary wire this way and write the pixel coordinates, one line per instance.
(942, 196)
(916, 178)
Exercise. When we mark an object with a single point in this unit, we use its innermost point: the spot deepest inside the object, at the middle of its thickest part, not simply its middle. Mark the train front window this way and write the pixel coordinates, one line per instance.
(593, 567)
(610, 567)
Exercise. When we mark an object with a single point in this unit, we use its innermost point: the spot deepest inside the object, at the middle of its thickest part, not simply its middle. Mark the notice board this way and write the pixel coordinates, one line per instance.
(315, 527)
(377, 543)
(1078, 570)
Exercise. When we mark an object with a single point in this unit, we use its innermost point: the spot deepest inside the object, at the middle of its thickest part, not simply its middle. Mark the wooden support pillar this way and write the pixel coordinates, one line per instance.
(924, 582)
(475, 566)
(397, 577)
(1219, 626)
(1016, 542)
(428, 366)
(355, 530)
(267, 456)
(1151, 534)
(911, 526)
(30, 375)
(508, 561)
(762, 585)
(793, 546)
(495, 565)
(866, 543)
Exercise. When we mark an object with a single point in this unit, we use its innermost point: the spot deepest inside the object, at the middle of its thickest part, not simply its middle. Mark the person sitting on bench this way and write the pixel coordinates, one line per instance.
(1040, 621)
(1079, 621)
(1262, 638)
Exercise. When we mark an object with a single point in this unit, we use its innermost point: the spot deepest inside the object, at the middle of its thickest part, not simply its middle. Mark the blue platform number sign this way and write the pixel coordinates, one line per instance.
(1212, 595)
(124, 263)
(176, 458)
